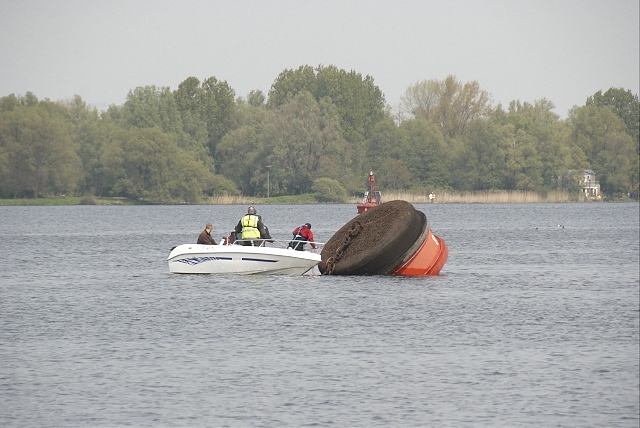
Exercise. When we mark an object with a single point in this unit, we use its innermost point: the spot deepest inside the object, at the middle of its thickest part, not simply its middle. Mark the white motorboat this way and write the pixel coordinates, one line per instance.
(273, 258)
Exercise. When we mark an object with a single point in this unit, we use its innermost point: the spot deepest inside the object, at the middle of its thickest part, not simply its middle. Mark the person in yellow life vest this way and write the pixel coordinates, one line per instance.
(251, 229)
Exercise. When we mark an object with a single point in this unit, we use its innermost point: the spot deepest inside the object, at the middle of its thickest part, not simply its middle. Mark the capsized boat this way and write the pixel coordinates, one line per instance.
(372, 197)
(272, 258)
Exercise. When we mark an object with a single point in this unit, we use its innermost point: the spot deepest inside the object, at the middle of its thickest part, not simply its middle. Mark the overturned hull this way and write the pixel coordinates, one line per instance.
(390, 239)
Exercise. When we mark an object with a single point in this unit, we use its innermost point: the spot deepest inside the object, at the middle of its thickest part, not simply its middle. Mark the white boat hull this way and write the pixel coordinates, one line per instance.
(239, 259)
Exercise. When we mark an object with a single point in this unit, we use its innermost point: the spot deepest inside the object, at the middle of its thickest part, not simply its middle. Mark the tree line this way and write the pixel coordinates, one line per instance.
(318, 130)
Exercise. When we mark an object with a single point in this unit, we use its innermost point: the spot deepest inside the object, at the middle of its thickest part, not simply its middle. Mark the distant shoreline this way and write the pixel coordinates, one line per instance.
(443, 197)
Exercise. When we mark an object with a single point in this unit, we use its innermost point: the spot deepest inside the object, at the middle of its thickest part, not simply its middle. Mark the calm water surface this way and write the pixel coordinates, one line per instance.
(529, 324)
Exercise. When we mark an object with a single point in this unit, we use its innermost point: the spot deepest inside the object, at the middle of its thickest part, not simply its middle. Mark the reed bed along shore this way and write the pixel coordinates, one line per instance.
(447, 197)
(443, 197)
(231, 200)
(481, 197)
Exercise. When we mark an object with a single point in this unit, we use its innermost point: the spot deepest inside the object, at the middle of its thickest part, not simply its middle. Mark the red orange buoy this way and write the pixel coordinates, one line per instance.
(428, 259)
(392, 238)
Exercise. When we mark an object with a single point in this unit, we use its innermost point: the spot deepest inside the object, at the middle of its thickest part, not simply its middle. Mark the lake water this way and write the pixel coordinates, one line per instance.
(529, 323)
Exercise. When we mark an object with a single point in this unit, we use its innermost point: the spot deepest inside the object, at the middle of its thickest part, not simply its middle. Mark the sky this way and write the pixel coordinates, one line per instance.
(526, 50)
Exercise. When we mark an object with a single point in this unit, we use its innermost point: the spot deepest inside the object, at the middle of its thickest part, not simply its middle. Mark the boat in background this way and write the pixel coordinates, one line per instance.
(242, 259)
(372, 197)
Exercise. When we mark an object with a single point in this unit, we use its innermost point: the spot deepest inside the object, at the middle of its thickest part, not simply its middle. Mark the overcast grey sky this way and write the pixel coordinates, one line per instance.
(563, 50)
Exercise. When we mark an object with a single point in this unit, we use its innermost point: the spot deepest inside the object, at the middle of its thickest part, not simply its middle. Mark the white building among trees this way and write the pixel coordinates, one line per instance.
(589, 185)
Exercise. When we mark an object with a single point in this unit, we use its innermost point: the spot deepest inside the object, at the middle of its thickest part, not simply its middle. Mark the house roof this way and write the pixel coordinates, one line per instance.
(588, 171)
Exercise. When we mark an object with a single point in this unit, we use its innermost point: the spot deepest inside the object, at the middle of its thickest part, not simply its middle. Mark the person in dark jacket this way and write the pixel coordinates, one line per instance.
(205, 236)
(300, 235)
(251, 229)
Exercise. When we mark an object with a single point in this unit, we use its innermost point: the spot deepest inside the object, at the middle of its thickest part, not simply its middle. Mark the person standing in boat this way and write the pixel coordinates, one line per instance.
(205, 236)
(300, 234)
(251, 228)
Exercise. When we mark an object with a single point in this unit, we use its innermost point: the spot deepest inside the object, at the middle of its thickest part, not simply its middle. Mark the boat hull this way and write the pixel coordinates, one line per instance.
(365, 207)
(239, 259)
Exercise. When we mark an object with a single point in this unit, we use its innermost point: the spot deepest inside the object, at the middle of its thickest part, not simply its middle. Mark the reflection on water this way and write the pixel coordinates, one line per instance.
(528, 323)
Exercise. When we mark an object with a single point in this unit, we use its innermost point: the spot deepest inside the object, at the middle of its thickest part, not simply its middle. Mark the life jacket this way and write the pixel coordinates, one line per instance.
(250, 227)
(298, 234)
(298, 237)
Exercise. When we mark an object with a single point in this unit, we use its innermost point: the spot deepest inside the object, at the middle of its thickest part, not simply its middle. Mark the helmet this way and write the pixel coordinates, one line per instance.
(251, 210)
(308, 225)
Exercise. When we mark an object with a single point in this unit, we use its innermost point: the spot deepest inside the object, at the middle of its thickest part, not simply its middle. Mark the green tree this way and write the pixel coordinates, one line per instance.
(155, 168)
(532, 118)
(218, 110)
(207, 110)
(89, 131)
(189, 112)
(307, 144)
(37, 151)
(425, 153)
(93, 139)
(538, 154)
(300, 141)
(448, 103)
(558, 154)
(358, 101)
(386, 156)
(625, 105)
(329, 190)
(609, 149)
(256, 98)
(523, 169)
(479, 157)
(149, 107)
(12, 177)
(290, 83)
(394, 175)
(241, 153)
(9, 103)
